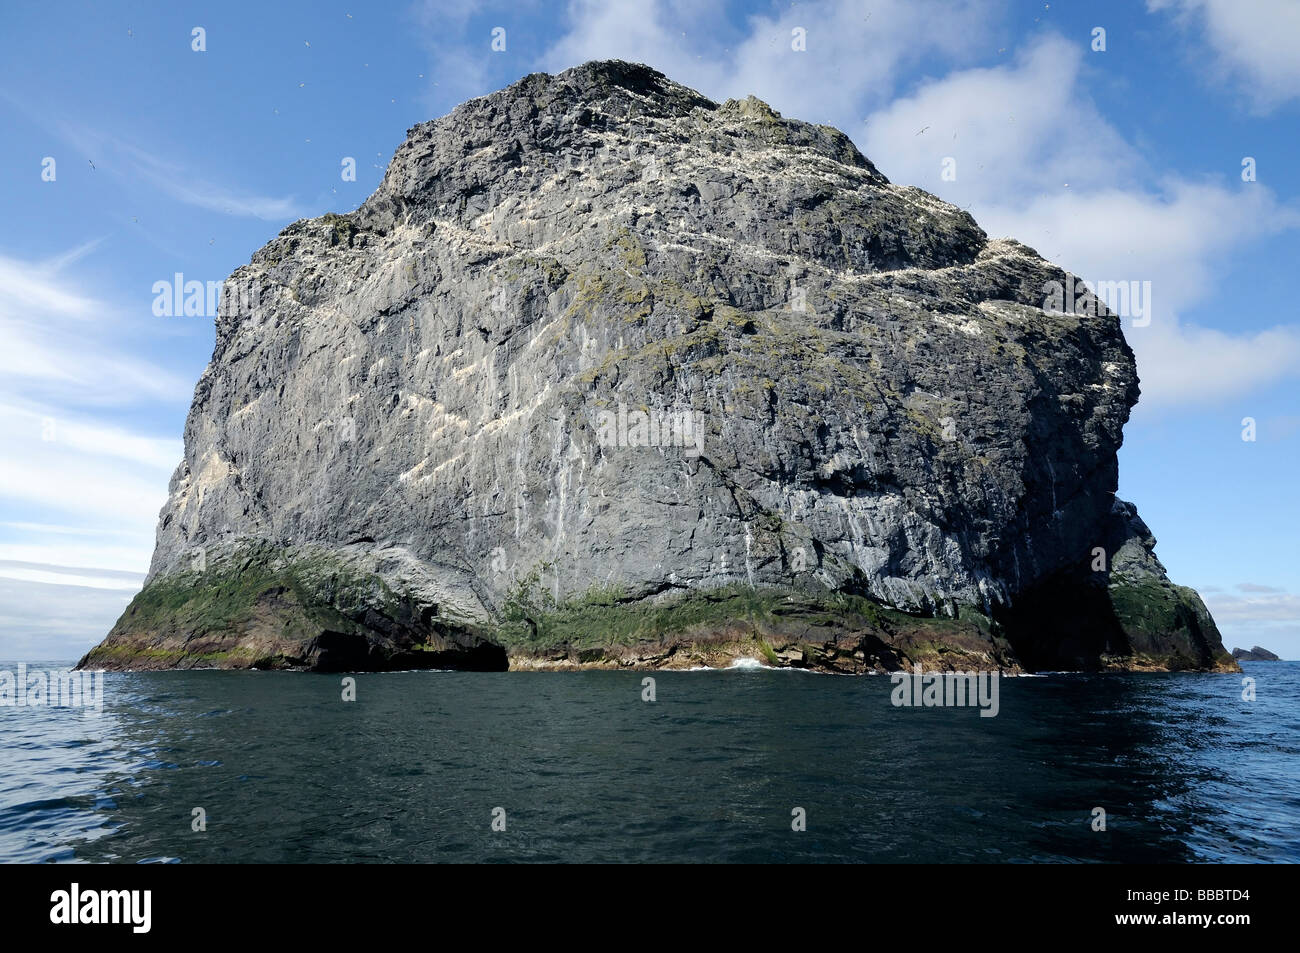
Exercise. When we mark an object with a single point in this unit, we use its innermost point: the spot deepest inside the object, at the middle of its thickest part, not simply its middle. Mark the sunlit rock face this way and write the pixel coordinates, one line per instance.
(608, 373)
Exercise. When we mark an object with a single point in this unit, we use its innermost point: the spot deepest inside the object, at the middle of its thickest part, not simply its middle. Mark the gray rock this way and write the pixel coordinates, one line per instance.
(598, 348)
(1255, 654)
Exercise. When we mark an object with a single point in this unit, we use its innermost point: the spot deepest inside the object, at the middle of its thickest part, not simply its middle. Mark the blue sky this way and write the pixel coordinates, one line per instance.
(1122, 164)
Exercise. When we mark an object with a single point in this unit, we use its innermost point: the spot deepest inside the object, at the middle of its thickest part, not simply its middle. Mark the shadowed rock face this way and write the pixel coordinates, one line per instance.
(606, 373)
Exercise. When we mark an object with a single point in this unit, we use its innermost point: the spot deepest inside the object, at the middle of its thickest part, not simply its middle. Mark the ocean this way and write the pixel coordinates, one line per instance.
(722, 766)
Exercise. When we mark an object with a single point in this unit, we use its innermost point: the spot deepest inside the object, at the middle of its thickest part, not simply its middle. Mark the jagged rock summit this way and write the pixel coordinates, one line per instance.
(606, 373)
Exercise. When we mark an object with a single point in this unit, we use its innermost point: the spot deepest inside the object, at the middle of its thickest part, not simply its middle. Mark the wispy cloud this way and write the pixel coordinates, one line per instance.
(36, 286)
(1276, 607)
(79, 493)
(55, 622)
(1254, 44)
(73, 255)
(63, 346)
(92, 472)
(183, 186)
(115, 156)
(71, 575)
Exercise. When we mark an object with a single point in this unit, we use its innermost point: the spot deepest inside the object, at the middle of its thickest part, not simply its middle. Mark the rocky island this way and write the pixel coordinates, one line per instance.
(607, 374)
(1256, 654)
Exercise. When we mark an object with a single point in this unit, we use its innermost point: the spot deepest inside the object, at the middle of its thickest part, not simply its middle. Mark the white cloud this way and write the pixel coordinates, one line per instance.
(42, 622)
(62, 586)
(1257, 615)
(115, 156)
(70, 575)
(1187, 365)
(1257, 604)
(461, 75)
(217, 198)
(22, 424)
(80, 495)
(1173, 238)
(656, 33)
(1036, 161)
(113, 549)
(92, 478)
(185, 186)
(1256, 43)
(852, 59)
(57, 342)
(35, 286)
(458, 63)
(106, 548)
(1016, 132)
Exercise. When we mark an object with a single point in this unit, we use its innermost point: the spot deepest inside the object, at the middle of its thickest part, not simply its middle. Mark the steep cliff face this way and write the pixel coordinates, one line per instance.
(607, 373)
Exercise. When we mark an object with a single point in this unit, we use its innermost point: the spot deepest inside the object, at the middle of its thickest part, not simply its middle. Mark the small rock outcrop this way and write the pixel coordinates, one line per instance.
(1256, 654)
(606, 373)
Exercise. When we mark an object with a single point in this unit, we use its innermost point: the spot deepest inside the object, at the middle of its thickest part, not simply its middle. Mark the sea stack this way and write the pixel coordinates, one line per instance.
(1256, 654)
(607, 374)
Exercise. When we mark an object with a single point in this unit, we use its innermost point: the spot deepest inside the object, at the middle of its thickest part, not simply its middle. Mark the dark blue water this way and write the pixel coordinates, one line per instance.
(586, 771)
